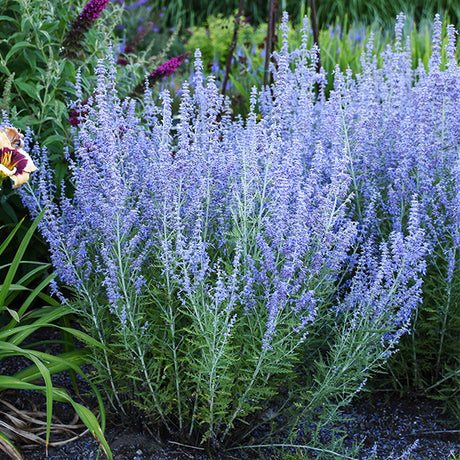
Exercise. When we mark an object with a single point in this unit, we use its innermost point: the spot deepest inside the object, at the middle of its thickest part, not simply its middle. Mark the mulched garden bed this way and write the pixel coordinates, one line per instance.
(391, 425)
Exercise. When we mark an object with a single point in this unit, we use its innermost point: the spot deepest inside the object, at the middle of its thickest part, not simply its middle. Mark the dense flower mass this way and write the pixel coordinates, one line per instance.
(222, 246)
(15, 163)
(90, 13)
(82, 24)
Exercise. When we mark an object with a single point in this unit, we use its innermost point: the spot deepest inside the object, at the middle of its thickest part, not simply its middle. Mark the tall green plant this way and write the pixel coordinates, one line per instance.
(18, 322)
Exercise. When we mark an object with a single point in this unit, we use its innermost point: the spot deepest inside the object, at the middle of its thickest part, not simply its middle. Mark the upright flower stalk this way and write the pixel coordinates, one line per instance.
(164, 70)
(73, 43)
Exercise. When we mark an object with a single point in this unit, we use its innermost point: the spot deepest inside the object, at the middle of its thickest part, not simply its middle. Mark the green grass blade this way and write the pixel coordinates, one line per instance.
(30, 298)
(45, 373)
(7, 446)
(46, 319)
(49, 300)
(33, 274)
(91, 422)
(26, 280)
(17, 260)
(87, 417)
(69, 346)
(35, 357)
(7, 241)
(82, 336)
(61, 363)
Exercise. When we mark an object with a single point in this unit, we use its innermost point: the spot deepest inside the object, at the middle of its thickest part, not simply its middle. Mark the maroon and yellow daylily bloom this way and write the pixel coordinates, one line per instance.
(15, 163)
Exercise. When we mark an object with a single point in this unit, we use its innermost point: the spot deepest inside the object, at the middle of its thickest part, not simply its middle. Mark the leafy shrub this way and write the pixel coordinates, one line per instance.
(401, 132)
(41, 47)
(215, 36)
(239, 272)
(41, 82)
(37, 81)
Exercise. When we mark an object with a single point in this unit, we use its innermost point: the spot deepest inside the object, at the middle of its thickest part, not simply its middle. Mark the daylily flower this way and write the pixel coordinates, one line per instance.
(15, 163)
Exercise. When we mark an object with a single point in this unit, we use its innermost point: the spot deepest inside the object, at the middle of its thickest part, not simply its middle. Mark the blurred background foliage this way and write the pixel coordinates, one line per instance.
(195, 12)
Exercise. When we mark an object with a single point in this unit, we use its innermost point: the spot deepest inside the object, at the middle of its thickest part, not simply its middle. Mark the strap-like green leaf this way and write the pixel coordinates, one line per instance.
(17, 259)
(87, 417)
(8, 447)
(63, 362)
(30, 298)
(5, 243)
(19, 333)
(36, 357)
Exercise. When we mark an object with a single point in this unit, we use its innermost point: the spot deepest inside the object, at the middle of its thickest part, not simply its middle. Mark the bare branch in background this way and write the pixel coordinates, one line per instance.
(314, 24)
(272, 10)
(233, 46)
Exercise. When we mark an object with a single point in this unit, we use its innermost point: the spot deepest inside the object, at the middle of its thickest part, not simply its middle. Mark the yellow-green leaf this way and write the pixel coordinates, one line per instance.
(8, 447)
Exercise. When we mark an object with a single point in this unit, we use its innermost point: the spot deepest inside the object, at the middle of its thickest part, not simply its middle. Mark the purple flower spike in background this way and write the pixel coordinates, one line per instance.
(164, 70)
(81, 25)
(168, 68)
(91, 12)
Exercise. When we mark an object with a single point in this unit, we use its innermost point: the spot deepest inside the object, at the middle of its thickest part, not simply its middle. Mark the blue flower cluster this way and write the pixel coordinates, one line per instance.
(310, 207)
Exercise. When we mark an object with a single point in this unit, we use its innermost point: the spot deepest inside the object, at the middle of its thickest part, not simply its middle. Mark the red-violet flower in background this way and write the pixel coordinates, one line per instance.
(164, 70)
(82, 24)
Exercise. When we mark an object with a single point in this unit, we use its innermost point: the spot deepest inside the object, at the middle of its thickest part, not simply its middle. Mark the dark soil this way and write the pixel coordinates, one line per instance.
(390, 426)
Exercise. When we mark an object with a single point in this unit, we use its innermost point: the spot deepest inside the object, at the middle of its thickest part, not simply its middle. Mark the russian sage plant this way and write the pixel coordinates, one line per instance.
(401, 130)
(220, 261)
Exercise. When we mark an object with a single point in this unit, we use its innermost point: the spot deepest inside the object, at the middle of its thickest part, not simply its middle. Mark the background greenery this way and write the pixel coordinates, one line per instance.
(195, 12)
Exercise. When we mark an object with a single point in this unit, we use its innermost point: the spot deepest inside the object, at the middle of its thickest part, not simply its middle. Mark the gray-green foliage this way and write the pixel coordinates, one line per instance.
(429, 360)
